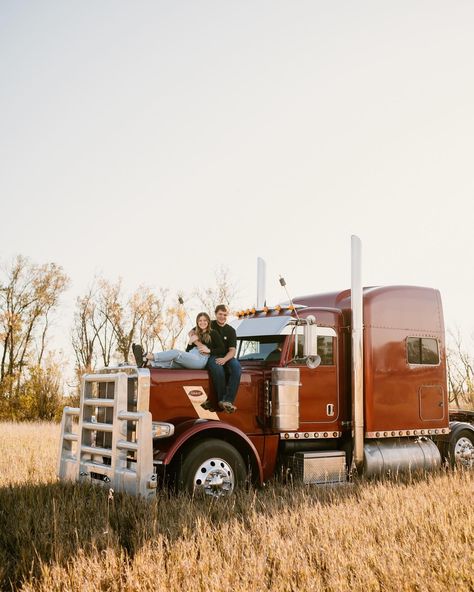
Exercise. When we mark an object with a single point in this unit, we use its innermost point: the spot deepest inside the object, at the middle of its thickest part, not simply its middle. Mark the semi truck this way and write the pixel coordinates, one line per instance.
(333, 385)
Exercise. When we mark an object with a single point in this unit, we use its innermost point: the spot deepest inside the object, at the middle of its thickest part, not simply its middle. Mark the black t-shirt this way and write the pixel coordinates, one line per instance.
(227, 334)
(216, 345)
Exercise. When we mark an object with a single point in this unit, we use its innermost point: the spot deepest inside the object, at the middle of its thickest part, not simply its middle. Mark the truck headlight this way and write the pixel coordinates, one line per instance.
(161, 429)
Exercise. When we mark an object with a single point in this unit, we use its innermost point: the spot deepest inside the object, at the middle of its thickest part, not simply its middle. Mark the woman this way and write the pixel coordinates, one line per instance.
(202, 339)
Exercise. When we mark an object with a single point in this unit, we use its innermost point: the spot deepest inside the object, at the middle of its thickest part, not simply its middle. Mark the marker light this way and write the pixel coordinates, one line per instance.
(161, 429)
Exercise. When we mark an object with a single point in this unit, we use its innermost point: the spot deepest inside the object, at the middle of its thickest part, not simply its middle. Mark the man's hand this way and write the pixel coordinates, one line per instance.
(220, 361)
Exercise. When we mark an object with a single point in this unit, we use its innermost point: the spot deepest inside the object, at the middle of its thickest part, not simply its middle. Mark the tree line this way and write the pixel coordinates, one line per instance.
(106, 322)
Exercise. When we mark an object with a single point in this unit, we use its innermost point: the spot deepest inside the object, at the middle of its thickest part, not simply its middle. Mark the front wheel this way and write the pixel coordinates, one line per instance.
(212, 467)
(461, 449)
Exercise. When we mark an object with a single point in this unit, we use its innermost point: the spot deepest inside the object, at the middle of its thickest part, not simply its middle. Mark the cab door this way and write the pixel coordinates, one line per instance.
(319, 390)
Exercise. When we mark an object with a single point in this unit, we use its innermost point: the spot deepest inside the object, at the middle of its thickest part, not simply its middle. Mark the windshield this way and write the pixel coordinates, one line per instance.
(267, 347)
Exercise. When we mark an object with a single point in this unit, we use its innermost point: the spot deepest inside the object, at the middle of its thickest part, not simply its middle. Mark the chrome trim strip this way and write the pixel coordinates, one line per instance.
(309, 435)
(406, 433)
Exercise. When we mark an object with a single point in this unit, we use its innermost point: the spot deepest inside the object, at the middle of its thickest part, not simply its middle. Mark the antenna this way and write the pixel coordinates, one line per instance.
(283, 283)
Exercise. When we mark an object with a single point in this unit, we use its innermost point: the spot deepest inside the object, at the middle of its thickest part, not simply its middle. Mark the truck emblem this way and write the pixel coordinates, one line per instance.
(196, 396)
(195, 393)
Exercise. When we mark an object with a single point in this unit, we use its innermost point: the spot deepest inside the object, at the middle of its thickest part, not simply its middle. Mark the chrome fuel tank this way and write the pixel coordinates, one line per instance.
(285, 399)
(392, 456)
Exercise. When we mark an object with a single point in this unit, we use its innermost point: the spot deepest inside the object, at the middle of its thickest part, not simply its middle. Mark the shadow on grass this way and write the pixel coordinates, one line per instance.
(53, 522)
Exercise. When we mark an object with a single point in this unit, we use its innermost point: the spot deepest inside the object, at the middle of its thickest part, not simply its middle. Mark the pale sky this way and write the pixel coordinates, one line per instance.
(160, 140)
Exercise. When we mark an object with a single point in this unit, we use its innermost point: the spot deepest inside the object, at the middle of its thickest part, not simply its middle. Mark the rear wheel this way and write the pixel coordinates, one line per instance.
(212, 467)
(461, 449)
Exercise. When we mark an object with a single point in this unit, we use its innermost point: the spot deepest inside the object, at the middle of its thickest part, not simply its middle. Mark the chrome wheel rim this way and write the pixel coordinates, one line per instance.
(214, 477)
(464, 452)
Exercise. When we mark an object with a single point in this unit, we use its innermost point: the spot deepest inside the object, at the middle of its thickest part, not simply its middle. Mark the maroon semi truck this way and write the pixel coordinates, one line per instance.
(331, 384)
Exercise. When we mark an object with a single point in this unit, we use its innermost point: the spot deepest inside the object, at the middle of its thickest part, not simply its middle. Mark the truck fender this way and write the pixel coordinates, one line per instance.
(454, 428)
(443, 441)
(199, 429)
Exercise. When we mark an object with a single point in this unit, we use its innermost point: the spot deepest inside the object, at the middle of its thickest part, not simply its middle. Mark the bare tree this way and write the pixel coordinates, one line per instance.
(107, 322)
(85, 331)
(152, 323)
(28, 294)
(460, 365)
(147, 318)
(173, 324)
(138, 317)
(93, 335)
(223, 292)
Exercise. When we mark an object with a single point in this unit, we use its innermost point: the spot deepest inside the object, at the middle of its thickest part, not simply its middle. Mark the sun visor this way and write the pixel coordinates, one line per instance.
(261, 326)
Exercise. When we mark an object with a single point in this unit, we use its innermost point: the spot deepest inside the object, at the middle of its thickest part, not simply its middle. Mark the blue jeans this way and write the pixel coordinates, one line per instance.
(175, 358)
(226, 389)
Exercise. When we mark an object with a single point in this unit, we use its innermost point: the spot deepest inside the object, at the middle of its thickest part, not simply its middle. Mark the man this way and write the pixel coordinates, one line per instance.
(225, 370)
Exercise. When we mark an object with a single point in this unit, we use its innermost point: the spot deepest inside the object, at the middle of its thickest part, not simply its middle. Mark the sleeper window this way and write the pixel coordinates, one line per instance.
(422, 350)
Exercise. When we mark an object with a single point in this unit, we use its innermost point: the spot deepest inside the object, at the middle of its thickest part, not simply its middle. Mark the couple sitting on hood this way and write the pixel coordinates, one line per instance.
(212, 344)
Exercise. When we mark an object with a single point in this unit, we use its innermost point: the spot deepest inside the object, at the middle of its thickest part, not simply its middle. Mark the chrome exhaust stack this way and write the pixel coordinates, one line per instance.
(261, 282)
(357, 353)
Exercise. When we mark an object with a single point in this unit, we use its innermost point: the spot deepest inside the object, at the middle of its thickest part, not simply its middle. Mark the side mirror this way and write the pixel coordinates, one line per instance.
(310, 347)
(313, 361)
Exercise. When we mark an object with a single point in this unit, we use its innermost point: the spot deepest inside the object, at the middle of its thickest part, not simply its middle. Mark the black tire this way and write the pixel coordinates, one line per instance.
(460, 449)
(210, 467)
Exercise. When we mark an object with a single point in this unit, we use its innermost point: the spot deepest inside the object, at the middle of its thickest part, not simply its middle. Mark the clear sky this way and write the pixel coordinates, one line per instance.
(160, 140)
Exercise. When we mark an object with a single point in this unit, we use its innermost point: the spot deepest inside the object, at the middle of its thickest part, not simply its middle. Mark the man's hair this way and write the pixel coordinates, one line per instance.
(221, 307)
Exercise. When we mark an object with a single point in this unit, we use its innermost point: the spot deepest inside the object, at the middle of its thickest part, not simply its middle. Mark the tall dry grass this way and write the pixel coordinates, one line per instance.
(413, 535)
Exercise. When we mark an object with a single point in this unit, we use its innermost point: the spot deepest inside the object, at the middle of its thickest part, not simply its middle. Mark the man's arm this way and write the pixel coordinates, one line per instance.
(229, 355)
(202, 347)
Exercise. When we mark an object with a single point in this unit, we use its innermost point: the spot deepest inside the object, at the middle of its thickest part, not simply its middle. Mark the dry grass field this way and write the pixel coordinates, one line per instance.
(412, 535)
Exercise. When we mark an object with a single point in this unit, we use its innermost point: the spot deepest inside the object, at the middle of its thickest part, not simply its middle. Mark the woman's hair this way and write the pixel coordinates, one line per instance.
(203, 336)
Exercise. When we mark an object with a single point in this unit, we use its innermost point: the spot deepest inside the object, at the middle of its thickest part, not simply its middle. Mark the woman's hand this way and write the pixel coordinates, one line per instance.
(203, 349)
